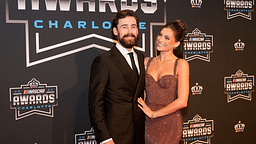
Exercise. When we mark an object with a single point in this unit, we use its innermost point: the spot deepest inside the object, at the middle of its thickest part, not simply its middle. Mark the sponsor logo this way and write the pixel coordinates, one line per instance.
(239, 85)
(236, 8)
(239, 46)
(33, 98)
(198, 45)
(197, 89)
(196, 3)
(198, 131)
(88, 137)
(239, 127)
(77, 25)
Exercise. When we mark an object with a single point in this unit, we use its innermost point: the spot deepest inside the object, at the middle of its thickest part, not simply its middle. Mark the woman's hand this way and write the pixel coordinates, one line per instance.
(142, 105)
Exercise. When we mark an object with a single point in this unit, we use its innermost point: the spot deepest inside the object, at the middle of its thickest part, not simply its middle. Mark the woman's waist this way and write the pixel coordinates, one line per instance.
(156, 106)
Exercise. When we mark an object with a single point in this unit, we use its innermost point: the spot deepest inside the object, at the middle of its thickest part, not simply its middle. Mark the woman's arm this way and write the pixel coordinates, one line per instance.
(183, 94)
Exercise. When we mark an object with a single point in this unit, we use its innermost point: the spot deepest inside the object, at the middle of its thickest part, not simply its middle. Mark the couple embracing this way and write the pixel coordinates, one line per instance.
(137, 100)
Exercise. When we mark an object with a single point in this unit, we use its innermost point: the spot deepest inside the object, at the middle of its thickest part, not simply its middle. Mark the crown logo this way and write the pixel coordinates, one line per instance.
(196, 3)
(33, 83)
(239, 46)
(239, 127)
(197, 89)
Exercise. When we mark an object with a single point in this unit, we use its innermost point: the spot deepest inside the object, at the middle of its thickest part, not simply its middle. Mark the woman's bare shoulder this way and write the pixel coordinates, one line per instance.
(182, 63)
(146, 59)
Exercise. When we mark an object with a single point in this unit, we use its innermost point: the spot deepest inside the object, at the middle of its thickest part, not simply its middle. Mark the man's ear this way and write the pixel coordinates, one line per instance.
(115, 31)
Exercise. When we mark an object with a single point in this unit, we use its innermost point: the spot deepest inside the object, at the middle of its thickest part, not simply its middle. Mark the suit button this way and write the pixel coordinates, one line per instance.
(124, 90)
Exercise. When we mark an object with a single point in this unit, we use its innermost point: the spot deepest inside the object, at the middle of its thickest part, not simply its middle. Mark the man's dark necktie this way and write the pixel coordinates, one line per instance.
(134, 68)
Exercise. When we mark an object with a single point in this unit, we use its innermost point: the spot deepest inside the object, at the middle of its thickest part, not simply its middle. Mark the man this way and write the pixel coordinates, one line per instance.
(116, 84)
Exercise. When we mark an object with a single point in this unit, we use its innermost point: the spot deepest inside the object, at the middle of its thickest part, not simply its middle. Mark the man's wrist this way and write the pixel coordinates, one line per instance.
(107, 140)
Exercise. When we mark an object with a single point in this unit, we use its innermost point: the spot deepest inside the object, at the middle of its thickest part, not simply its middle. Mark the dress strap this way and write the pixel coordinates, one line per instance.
(149, 61)
(175, 66)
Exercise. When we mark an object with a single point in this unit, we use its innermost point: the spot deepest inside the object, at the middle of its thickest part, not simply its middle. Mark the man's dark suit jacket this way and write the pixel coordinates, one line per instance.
(113, 95)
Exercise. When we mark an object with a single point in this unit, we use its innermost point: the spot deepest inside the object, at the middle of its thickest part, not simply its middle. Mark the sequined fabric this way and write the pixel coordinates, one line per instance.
(166, 129)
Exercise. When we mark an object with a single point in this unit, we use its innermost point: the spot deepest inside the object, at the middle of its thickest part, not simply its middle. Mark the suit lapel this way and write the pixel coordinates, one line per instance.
(122, 65)
(141, 64)
(142, 74)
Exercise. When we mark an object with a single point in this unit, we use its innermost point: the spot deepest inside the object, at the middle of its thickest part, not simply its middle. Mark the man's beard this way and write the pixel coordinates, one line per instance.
(128, 43)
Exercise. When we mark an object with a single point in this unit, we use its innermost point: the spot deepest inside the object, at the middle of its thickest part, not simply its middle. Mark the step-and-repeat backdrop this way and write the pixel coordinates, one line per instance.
(47, 47)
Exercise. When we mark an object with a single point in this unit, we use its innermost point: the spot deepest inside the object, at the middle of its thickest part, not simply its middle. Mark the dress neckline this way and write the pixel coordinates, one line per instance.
(174, 70)
(161, 76)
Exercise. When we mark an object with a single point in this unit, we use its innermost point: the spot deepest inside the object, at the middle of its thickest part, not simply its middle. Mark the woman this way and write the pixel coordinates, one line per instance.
(167, 87)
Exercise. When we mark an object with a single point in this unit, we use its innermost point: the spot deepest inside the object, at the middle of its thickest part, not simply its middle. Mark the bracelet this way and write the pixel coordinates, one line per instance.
(152, 115)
